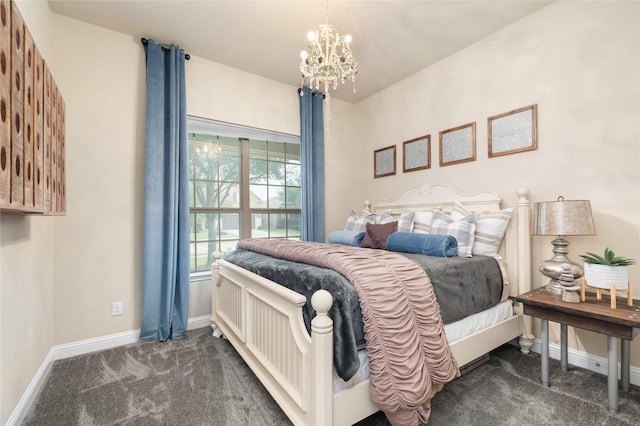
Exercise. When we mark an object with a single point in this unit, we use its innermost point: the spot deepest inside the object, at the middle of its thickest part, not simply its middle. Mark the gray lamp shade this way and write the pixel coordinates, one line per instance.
(563, 217)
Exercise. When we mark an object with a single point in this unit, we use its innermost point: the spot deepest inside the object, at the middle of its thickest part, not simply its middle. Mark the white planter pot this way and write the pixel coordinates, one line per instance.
(601, 276)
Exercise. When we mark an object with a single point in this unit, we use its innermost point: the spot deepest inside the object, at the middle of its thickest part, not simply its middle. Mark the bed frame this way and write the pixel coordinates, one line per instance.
(263, 320)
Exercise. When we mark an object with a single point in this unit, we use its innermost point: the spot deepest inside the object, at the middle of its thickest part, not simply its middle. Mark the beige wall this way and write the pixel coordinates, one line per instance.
(580, 63)
(577, 61)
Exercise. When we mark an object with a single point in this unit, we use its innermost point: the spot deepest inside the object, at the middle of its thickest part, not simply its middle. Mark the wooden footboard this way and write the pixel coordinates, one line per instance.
(263, 321)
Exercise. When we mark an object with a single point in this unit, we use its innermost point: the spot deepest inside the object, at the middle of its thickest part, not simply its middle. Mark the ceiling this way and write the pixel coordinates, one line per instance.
(392, 39)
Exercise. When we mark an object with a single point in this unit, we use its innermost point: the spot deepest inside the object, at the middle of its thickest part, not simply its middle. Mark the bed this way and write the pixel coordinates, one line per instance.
(264, 322)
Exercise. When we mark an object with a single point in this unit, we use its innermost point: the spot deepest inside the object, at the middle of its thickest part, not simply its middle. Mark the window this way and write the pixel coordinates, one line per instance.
(243, 182)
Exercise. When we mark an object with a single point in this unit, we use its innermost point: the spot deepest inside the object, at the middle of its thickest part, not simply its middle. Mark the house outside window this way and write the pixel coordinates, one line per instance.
(243, 183)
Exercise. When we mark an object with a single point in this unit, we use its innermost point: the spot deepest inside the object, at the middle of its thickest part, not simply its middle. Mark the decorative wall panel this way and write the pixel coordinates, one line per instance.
(17, 105)
(38, 128)
(29, 202)
(48, 184)
(5, 102)
(32, 124)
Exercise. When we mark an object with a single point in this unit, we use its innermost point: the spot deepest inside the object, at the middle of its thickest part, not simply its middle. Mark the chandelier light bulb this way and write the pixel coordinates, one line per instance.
(347, 39)
(311, 36)
(304, 55)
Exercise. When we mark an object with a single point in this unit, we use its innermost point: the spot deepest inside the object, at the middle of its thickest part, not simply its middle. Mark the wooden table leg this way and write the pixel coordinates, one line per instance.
(612, 350)
(544, 352)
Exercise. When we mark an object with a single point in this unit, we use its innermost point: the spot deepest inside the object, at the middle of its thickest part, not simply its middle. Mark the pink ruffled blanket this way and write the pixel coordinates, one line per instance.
(410, 359)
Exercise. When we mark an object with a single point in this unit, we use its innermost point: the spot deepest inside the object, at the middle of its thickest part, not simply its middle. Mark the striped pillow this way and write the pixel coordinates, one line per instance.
(463, 230)
(490, 229)
(405, 222)
(422, 221)
(359, 224)
(384, 217)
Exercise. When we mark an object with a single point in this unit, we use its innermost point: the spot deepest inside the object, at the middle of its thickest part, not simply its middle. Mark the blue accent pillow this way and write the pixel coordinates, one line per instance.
(347, 238)
(429, 244)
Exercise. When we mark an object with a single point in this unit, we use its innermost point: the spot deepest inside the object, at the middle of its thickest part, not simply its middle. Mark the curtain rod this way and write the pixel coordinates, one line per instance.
(145, 42)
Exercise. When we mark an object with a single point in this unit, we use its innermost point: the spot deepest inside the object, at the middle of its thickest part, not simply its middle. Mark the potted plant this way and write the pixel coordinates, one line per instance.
(603, 271)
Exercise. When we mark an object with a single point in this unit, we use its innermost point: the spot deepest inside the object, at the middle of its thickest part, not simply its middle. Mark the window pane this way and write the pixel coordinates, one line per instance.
(259, 225)
(203, 255)
(277, 225)
(258, 149)
(293, 153)
(258, 196)
(276, 151)
(207, 227)
(294, 198)
(192, 227)
(276, 173)
(228, 147)
(257, 171)
(276, 197)
(294, 221)
(229, 169)
(204, 160)
(191, 193)
(230, 226)
(206, 194)
(230, 195)
(293, 175)
(192, 257)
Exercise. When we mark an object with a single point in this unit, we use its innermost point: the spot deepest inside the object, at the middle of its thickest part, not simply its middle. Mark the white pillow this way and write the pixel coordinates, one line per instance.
(463, 230)
(422, 221)
(490, 229)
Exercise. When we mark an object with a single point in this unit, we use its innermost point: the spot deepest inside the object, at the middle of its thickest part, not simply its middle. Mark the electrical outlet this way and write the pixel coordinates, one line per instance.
(117, 308)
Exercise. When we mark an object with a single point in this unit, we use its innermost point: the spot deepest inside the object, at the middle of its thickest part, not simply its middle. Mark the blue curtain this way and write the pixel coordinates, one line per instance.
(312, 159)
(165, 293)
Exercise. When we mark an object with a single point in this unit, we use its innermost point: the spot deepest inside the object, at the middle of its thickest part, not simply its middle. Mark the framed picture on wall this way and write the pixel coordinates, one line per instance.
(416, 154)
(458, 145)
(513, 131)
(384, 161)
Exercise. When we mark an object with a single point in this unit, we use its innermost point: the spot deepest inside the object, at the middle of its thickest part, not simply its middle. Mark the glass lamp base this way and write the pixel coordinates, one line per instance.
(558, 265)
(554, 287)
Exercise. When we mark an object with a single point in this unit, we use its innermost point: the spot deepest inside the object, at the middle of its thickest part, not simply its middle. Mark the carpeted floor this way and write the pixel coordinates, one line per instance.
(200, 380)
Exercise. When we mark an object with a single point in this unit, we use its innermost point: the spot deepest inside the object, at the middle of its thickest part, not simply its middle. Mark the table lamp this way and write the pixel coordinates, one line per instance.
(561, 218)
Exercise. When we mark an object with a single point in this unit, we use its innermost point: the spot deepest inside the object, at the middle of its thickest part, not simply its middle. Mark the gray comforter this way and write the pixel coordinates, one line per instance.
(463, 286)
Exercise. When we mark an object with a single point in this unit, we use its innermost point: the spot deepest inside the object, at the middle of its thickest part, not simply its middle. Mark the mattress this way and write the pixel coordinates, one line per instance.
(455, 331)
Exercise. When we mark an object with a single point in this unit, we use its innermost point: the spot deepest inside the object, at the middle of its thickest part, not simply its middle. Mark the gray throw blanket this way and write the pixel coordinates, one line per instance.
(348, 329)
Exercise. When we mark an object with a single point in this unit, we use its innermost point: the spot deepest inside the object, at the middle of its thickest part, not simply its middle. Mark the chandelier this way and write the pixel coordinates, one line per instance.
(329, 60)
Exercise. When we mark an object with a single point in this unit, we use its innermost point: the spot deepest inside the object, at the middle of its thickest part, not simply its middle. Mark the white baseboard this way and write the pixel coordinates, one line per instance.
(587, 361)
(20, 412)
(82, 347)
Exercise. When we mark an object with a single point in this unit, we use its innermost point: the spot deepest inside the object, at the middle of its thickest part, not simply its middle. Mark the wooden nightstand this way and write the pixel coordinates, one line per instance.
(594, 315)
